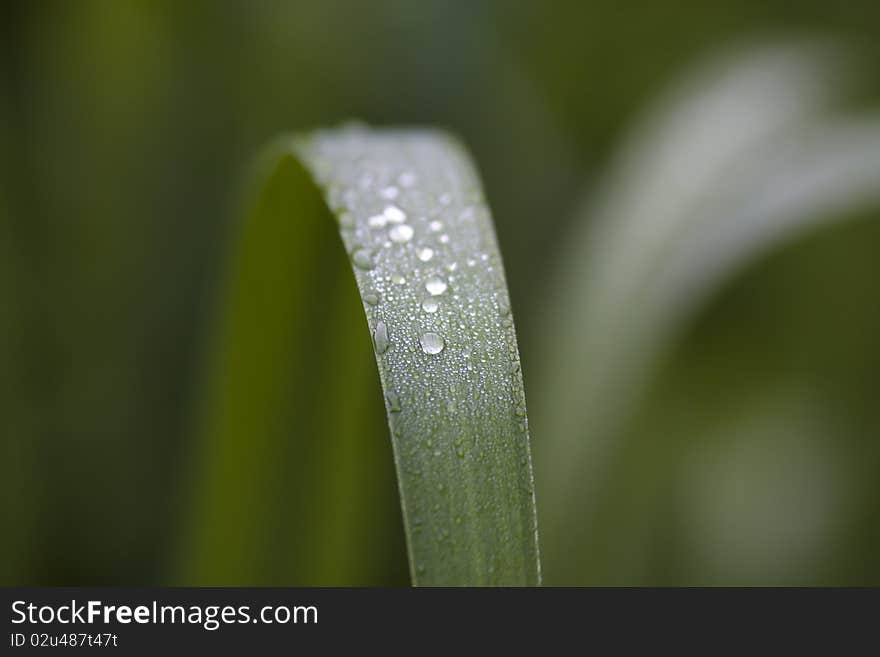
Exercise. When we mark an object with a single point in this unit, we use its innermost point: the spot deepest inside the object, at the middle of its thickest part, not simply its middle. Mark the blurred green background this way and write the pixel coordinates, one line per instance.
(750, 457)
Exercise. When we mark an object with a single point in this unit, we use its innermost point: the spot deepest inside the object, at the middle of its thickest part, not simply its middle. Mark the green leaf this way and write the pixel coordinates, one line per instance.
(697, 194)
(419, 236)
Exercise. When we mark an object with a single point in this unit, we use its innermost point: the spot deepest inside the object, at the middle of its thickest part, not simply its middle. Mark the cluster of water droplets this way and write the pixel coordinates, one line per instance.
(438, 302)
(396, 215)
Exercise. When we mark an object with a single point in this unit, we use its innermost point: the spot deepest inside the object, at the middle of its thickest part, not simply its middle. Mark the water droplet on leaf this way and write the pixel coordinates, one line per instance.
(435, 286)
(394, 214)
(389, 192)
(393, 402)
(380, 337)
(432, 343)
(401, 233)
(363, 258)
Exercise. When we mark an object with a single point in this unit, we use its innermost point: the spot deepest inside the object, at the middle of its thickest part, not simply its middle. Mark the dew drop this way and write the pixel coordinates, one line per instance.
(377, 221)
(444, 239)
(363, 258)
(401, 233)
(393, 402)
(380, 337)
(430, 305)
(432, 343)
(397, 279)
(425, 254)
(435, 226)
(394, 214)
(435, 286)
(503, 307)
(371, 298)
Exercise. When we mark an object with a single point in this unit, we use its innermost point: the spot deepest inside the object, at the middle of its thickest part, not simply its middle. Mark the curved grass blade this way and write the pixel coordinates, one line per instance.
(678, 219)
(419, 236)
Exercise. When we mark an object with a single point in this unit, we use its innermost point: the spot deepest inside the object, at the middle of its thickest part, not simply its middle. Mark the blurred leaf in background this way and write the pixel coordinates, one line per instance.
(738, 161)
(749, 452)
